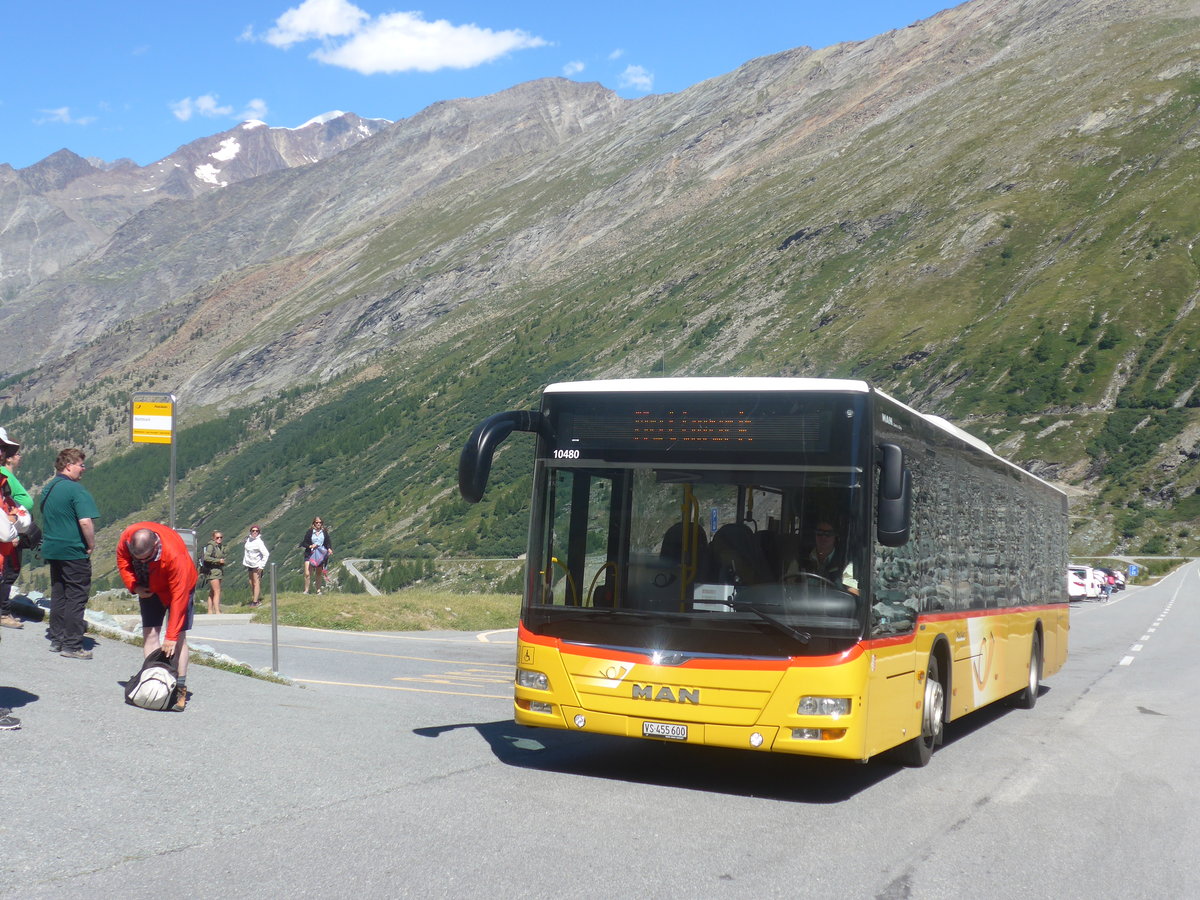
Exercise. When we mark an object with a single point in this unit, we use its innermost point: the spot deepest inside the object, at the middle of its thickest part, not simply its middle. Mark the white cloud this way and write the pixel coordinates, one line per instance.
(393, 42)
(616, 54)
(205, 105)
(572, 68)
(255, 110)
(316, 19)
(62, 116)
(208, 107)
(638, 78)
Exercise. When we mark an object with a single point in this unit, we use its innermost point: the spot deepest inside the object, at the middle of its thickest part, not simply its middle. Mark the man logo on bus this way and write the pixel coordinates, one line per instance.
(647, 692)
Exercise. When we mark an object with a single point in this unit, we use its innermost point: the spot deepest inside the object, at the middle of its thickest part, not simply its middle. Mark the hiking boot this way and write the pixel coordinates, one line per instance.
(11, 622)
(181, 699)
(79, 653)
(9, 723)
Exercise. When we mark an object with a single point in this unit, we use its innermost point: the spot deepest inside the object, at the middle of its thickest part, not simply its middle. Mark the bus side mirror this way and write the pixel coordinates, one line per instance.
(894, 497)
(475, 461)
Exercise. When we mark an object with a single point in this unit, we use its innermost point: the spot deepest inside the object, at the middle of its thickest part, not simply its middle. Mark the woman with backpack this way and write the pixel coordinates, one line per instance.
(317, 545)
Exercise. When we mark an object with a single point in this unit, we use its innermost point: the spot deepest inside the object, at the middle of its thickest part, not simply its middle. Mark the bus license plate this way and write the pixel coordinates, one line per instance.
(663, 730)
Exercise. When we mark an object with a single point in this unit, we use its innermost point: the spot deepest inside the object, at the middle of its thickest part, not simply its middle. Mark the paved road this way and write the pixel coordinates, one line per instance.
(392, 768)
(360, 663)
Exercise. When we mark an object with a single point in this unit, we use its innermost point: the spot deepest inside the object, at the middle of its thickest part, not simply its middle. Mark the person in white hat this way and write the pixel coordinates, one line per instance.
(10, 458)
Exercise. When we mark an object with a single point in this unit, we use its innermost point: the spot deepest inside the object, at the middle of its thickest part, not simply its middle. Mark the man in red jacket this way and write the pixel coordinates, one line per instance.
(155, 564)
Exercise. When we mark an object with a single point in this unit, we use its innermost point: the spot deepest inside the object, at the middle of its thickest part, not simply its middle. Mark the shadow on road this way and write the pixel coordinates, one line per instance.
(15, 698)
(772, 776)
(713, 769)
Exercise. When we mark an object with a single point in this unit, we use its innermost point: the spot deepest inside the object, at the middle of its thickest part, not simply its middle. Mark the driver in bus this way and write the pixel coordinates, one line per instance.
(825, 560)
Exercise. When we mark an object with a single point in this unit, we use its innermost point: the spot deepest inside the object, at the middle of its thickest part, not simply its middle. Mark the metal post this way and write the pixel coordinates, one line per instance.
(274, 624)
(172, 482)
(152, 420)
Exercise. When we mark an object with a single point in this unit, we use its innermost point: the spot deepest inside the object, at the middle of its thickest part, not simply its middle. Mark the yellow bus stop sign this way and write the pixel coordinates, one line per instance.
(153, 421)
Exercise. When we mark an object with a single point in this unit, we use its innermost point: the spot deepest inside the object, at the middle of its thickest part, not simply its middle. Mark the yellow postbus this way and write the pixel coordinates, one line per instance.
(777, 564)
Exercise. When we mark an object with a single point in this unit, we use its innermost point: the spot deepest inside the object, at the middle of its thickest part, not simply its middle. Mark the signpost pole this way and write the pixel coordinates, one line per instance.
(171, 489)
(274, 624)
(152, 421)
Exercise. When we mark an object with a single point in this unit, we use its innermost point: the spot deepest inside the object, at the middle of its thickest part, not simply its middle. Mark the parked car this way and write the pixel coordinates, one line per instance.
(1082, 583)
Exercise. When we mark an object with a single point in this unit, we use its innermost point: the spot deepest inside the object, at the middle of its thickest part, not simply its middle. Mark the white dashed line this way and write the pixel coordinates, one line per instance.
(1128, 660)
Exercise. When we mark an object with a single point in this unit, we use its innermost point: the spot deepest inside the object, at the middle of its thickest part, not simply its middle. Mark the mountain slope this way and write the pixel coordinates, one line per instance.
(62, 208)
(989, 213)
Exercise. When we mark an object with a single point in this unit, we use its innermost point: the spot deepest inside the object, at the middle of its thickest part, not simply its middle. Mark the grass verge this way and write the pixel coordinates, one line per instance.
(410, 609)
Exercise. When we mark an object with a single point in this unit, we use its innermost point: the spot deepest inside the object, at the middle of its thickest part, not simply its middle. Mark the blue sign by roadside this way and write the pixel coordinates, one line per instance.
(1134, 568)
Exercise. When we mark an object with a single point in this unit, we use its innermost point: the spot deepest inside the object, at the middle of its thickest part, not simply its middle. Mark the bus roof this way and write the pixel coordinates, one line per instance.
(707, 385)
(711, 384)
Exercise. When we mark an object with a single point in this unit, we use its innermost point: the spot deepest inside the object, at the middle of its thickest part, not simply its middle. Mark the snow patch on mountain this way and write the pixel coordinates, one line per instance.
(322, 119)
(229, 149)
(209, 173)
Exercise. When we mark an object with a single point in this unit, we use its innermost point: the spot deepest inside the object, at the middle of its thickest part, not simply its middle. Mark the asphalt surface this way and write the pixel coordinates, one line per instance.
(390, 767)
(255, 779)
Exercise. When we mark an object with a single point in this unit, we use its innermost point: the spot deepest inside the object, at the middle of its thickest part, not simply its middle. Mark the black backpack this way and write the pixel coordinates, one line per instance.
(153, 687)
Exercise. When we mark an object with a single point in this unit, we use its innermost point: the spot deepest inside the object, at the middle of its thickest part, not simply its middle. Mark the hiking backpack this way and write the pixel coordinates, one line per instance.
(153, 687)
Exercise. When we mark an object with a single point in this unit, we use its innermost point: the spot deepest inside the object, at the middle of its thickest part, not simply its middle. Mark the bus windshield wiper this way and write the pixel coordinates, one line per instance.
(742, 606)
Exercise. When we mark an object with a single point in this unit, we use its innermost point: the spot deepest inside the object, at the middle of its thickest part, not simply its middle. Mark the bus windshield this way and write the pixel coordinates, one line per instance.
(737, 561)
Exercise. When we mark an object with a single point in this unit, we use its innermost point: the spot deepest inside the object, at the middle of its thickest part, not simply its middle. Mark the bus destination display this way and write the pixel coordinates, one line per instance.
(701, 426)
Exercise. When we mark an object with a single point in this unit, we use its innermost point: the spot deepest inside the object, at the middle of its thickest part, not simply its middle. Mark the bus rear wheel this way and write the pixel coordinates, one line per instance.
(1027, 697)
(919, 750)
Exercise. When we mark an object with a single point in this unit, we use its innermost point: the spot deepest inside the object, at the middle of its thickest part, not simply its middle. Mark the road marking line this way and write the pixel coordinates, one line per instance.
(1135, 648)
(389, 635)
(1127, 661)
(457, 662)
(485, 636)
(461, 682)
(469, 678)
(390, 687)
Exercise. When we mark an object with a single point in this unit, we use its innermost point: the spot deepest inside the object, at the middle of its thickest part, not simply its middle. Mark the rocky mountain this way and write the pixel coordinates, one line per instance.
(64, 207)
(990, 213)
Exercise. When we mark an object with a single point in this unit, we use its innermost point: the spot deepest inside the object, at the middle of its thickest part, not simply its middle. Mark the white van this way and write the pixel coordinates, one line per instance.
(1083, 583)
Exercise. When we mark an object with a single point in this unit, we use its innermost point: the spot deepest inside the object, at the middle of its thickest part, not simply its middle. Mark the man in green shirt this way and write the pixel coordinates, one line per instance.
(10, 458)
(68, 538)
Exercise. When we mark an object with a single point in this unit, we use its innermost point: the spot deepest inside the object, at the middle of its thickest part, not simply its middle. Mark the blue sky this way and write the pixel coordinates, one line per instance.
(140, 78)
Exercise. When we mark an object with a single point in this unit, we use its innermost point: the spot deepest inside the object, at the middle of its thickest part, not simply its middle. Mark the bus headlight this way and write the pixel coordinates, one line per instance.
(528, 678)
(834, 707)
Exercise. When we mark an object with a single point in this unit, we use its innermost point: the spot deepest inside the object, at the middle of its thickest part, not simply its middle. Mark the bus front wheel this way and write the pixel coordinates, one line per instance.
(919, 750)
